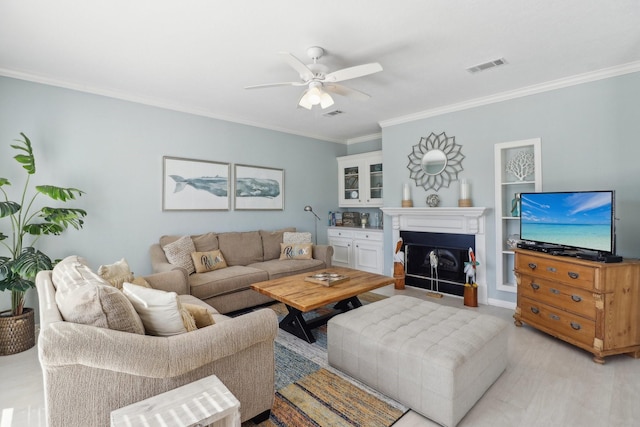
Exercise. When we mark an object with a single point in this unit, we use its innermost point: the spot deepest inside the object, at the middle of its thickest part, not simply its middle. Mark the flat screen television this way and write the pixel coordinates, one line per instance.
(583, 220)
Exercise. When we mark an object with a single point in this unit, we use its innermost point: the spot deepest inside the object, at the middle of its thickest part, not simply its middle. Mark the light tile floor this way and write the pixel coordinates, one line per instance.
(547, 383)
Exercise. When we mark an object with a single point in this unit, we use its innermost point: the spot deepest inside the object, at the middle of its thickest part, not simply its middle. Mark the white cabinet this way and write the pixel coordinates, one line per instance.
(521, 156)
(360, 180)
(359, 249)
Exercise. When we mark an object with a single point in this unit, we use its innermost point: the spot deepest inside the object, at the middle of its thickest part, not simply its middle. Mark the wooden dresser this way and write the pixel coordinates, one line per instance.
(592, 305)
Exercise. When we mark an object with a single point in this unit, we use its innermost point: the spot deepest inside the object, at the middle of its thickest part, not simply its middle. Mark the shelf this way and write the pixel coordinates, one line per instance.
(518, 182)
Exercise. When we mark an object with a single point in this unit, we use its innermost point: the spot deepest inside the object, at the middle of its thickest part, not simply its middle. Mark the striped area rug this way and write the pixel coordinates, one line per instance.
(311, 393)
(325, 399)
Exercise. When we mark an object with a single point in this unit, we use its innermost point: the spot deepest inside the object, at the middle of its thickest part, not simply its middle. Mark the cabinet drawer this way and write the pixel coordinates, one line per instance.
(332, 232)
(572, 274)
(565, 325)
(368, 235)
(576, 300)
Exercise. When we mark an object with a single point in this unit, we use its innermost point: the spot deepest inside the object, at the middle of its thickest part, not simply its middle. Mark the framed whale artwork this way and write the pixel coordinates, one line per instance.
(190, 184)
(258, 188)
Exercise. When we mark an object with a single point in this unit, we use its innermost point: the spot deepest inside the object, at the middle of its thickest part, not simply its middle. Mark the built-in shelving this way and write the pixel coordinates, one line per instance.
(507, 186)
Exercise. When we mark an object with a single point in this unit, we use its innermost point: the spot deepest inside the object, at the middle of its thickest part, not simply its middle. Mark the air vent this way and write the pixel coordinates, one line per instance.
(333, 113)
(486, 65)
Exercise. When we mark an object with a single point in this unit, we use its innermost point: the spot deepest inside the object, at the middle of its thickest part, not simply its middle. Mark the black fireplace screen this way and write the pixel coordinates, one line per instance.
(435, 261)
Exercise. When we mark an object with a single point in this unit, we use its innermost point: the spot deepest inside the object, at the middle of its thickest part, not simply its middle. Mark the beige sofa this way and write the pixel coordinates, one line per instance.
(90, 371)
(251, 256)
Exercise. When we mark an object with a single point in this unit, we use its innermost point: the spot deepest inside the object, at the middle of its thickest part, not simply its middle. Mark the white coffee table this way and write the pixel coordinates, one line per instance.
(199, 403)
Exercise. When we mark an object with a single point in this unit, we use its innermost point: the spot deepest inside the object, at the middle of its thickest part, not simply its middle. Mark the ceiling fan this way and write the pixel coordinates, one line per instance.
(319, 82)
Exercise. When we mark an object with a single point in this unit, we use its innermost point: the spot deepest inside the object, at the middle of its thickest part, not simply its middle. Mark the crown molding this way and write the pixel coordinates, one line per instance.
(578, 79)
(152, 102)
(364, 138)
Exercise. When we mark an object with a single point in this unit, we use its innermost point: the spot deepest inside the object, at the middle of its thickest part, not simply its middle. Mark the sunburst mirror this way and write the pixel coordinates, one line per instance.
(435, 161)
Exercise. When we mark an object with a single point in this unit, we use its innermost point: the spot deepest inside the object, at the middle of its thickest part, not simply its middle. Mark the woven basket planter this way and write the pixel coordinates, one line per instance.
(17, 333)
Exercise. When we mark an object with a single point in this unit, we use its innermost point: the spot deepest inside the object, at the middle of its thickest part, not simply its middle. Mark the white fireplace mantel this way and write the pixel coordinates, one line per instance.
(445, 220)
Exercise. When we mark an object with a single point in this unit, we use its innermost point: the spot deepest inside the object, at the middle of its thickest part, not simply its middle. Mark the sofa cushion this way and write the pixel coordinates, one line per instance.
(117, 273)
(241, 248)
(295, 251)
(290, 237)
(208, 261)
(271, 242)
(84, 297)
(225, 280)
(277, 268)
(205, 242)
(179, 253)
(159, 310)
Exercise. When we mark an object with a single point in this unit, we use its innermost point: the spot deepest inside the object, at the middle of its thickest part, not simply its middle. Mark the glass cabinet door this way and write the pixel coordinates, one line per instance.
(375, 181)
(351, 183)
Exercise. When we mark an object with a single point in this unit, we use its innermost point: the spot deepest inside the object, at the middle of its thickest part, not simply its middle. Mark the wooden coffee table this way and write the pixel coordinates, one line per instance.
(300, 296)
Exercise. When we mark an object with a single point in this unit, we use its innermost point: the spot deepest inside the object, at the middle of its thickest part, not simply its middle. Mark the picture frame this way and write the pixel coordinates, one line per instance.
(195, 185)
(258, 188)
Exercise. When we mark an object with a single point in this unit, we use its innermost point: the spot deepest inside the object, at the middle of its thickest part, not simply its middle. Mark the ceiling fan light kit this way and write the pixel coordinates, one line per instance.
(315, 95)
(315, 75)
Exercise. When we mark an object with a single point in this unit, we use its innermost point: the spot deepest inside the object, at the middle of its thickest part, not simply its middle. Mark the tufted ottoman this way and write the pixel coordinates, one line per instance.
(435, 359)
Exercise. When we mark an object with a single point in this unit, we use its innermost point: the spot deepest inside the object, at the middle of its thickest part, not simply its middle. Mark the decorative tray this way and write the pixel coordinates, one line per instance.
(326, 279)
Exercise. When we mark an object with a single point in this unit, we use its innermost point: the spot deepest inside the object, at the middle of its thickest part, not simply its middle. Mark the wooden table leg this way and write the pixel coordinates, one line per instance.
(295, 324)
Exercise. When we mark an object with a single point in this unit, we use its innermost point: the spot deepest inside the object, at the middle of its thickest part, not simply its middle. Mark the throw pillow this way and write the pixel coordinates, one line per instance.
(289, 237)
(84, 297)
(187, 320)
(116, 273)
(179, 253)
(159, 310)
(271, 242)
(295, 251)
(208, 261)
(140, 281)
(201, 315)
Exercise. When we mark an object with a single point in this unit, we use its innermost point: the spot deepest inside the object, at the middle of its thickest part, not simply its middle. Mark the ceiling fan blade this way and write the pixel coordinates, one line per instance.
(353, 72)
(346, 91)
(305, 73)
(275, 84)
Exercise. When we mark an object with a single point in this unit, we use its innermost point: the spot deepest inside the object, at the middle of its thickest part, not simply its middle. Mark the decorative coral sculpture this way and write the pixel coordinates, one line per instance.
(522, 165)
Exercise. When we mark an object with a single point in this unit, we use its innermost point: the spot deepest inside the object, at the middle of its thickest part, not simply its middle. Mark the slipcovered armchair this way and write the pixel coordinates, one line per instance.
(90, 371)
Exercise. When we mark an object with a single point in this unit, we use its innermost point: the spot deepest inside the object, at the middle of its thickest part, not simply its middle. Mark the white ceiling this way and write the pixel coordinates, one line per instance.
(198, 55)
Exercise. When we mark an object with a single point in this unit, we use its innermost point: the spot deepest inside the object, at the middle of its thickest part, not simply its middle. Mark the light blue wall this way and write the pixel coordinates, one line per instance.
(590, 137)
(113, 151)
(365, 147)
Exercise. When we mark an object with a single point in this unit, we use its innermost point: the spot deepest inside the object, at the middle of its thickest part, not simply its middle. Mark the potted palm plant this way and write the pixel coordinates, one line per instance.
(23, 261)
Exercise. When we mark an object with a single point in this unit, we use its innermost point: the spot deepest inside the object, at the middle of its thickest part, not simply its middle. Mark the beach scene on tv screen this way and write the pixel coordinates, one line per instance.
(581, 220)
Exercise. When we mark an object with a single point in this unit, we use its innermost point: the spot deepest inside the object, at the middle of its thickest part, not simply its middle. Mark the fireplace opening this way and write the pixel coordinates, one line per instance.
(435, 261)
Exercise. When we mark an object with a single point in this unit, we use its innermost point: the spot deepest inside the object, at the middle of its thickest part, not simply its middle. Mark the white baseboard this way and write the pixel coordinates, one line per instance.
(501, 303)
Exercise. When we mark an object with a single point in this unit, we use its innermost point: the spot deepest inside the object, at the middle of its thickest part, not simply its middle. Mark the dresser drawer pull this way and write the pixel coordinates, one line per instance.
(576, 326)
(554, 317)
(534, 310)
(551, 269)
(535, 286)
(533, 266)
(573, 275)
(555, 291)
(576, 298)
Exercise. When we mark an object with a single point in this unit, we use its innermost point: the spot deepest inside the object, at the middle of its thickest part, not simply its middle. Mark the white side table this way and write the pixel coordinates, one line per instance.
(197, 404)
